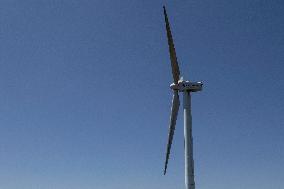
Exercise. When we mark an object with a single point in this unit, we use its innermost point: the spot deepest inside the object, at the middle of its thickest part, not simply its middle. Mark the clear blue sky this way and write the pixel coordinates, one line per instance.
(85, 97)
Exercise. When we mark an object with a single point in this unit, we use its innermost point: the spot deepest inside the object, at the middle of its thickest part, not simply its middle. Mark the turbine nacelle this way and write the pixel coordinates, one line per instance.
(182, 86)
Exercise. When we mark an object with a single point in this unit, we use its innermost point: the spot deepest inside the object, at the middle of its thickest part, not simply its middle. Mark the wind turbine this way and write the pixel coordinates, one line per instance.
(185, 87)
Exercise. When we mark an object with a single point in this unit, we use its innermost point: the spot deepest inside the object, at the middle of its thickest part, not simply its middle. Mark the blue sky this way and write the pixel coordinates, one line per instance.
(85, 97)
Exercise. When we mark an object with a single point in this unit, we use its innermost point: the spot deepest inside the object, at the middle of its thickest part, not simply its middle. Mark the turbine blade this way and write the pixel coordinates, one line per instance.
(173, 57)
(174, 113)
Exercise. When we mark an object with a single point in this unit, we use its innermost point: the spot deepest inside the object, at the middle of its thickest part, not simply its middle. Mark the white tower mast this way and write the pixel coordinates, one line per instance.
(188, 143)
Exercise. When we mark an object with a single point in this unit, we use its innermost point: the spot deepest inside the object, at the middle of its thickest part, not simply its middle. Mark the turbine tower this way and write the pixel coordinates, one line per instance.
(185, 87)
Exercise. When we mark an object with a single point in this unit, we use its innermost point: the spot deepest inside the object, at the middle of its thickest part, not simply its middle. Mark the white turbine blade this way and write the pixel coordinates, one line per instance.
(174, 113)
(174, 62)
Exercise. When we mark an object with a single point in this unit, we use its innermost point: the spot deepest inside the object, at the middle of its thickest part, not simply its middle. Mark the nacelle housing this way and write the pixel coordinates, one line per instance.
(187, 86)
